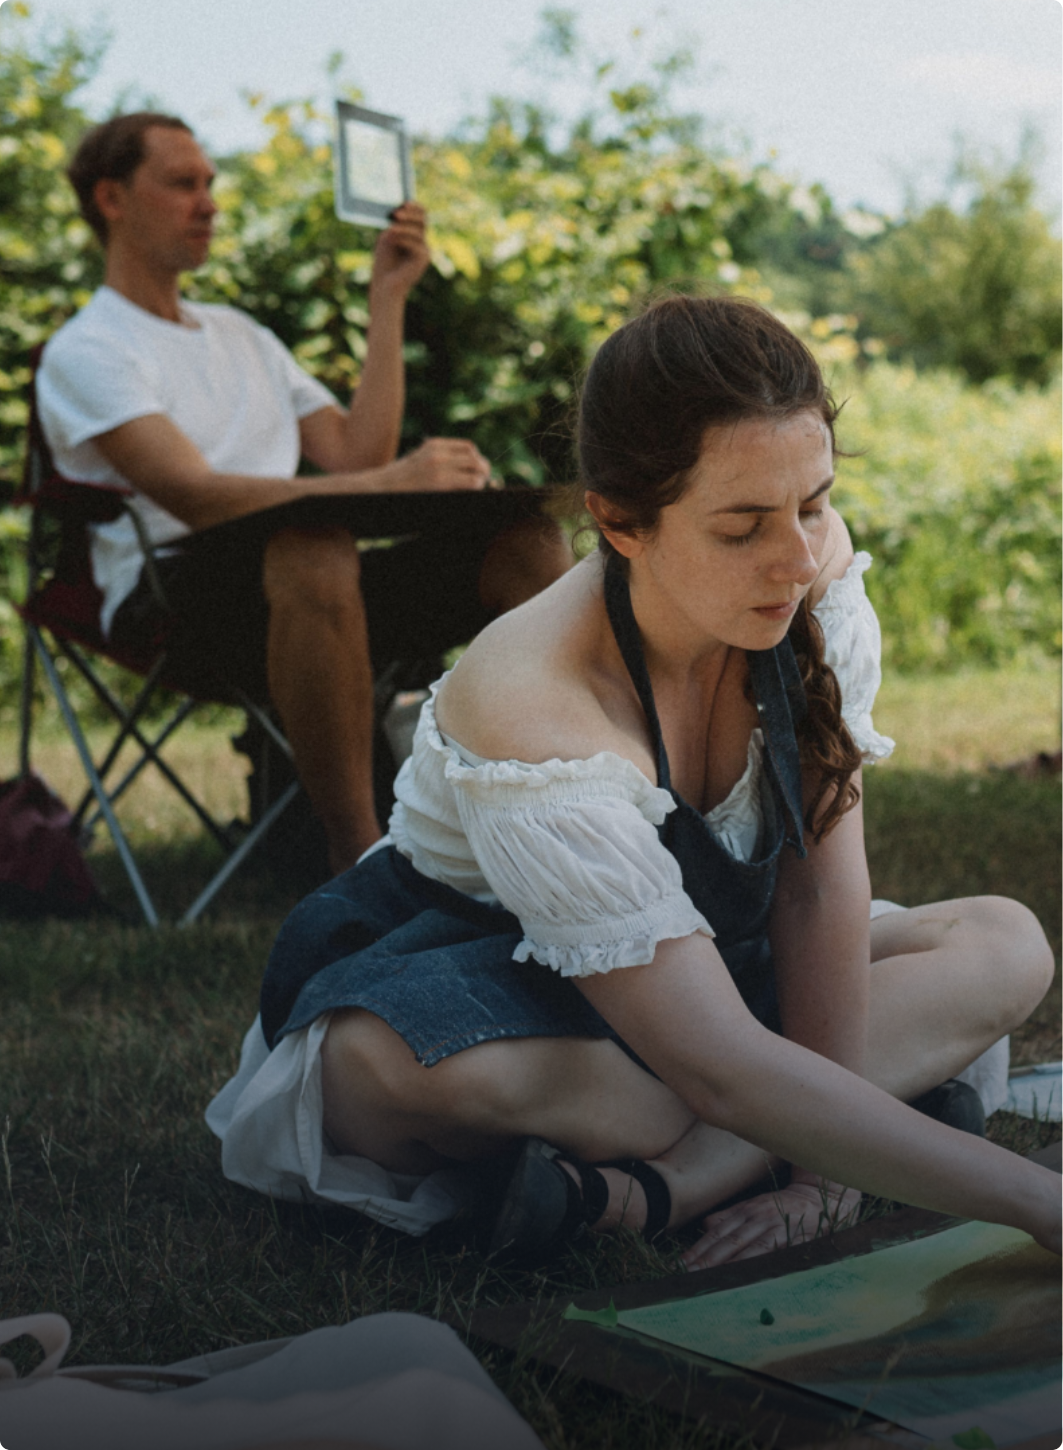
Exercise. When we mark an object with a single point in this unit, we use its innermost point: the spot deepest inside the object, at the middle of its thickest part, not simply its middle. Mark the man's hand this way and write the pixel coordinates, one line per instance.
(790, 1215)
(440, 465)
(401, 253)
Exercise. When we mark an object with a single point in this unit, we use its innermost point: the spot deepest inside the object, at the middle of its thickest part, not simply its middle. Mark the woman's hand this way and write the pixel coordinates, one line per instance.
(791, 1215)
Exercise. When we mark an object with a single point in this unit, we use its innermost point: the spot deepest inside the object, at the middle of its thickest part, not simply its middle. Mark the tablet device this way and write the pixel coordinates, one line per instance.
(374, 173)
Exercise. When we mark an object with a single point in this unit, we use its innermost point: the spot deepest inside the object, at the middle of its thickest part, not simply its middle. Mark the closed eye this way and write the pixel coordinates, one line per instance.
(737, 540)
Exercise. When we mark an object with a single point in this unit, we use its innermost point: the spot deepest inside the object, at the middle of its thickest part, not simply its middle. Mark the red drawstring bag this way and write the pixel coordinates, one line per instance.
(42, 870)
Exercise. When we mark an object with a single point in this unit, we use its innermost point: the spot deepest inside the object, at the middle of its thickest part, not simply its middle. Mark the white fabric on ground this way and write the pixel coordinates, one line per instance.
(269, 1119)
(390, 1381)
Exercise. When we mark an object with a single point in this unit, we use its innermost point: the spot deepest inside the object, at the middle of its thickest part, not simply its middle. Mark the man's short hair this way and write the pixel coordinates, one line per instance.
(112, 151)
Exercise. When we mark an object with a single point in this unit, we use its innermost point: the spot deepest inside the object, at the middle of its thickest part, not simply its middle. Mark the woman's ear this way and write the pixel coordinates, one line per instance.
(629, 545)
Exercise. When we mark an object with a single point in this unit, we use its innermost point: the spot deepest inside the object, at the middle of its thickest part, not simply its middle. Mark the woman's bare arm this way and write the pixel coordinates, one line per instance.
(683, 1015)
(821, 943)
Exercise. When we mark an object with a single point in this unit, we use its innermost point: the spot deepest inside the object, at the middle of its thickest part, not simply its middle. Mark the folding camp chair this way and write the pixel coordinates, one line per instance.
(61, 618)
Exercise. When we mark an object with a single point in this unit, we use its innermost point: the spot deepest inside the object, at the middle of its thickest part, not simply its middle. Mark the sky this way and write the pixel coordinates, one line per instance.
(865, 96)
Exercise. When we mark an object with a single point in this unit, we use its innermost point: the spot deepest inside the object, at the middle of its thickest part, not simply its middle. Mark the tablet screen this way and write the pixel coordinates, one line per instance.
(373, 170)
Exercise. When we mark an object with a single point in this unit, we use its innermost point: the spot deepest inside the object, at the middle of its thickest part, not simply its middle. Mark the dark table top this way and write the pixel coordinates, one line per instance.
(389, 515)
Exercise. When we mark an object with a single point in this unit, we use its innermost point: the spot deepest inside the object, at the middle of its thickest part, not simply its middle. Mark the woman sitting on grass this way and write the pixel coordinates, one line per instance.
(618, 943)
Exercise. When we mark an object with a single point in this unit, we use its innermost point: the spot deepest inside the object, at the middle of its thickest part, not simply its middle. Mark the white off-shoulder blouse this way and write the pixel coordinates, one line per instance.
(571, 848)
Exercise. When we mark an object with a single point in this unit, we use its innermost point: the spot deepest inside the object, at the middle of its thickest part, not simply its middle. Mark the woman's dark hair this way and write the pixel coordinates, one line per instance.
(684, 366)
(112, 151)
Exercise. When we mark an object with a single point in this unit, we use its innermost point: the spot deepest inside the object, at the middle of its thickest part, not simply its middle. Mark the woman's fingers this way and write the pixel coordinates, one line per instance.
(730, 1236)
(769, 1221)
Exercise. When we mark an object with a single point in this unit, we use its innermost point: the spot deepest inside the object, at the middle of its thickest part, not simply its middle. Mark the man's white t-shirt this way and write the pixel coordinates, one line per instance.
(228, 383)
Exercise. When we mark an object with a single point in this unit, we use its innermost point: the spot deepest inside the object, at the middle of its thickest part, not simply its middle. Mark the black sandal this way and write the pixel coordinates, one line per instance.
(543, 1207)
(658, 1198)
(955, 1104)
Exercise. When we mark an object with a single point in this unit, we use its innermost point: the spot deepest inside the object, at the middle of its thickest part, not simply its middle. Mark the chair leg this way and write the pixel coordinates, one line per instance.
(126, 718)
(237, 858)
(25, 706)
(262, 718)
(149, 756)
(130, 730)
(121, 845)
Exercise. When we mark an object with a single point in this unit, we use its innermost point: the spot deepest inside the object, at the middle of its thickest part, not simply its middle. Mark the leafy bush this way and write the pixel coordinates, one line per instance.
(544, 237)
(976, 287)
(956, 493)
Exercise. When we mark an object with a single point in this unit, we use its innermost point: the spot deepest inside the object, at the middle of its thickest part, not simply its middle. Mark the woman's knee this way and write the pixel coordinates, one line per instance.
(364, 1058)
(1017, 953)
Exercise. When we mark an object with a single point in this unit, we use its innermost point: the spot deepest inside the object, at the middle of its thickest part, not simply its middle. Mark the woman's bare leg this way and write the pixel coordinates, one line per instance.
(947, 981)
(586, 1097)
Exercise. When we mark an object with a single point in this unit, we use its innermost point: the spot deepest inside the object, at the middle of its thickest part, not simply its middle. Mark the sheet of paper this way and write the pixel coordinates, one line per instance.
(955, 1331)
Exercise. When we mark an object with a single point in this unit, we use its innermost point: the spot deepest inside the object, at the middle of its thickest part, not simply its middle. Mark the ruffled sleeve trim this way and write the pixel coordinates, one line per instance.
(668, 919)
(571, 848)
(853, 649)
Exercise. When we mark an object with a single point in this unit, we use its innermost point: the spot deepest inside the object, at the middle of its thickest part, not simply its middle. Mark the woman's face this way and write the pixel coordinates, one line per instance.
(731, 560)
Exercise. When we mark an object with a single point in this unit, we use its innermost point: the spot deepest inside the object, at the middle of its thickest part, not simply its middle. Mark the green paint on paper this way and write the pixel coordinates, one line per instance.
(606, 1318)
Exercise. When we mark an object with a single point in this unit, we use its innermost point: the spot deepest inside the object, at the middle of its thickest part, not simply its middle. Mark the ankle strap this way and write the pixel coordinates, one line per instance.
(658, 1198)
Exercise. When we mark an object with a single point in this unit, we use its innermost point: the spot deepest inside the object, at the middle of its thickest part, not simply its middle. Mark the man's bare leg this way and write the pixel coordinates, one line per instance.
(319, 665)
(523, 560)
(321, 682)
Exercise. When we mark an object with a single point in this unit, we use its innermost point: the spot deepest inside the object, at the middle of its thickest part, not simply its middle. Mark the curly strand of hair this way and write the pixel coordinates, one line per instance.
(829, 753)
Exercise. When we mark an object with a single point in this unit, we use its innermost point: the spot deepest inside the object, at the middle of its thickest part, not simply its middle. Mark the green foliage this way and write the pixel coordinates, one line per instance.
(47, 268)
(957, 495)
(977, 288)
(544, 237)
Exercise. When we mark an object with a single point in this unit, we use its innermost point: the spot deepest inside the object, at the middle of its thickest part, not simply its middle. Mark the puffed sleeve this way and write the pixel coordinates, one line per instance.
(570, 847)
(853, 649)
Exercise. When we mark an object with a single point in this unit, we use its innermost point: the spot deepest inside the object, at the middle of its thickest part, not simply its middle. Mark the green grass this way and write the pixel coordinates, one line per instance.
(113, 1209)
(973, 720)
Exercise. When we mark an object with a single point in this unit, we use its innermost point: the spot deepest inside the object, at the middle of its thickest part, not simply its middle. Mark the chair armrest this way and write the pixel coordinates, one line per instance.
(81, 503)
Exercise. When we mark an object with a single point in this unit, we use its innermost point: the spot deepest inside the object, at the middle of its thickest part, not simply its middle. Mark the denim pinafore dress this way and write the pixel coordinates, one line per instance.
(437, 965)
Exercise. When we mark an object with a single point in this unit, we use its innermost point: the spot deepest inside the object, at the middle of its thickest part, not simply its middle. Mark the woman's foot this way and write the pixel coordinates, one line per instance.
(550, 1199)
(954, 1103)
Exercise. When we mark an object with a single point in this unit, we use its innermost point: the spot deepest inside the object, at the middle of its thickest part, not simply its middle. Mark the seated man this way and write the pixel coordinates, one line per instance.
(205, 415)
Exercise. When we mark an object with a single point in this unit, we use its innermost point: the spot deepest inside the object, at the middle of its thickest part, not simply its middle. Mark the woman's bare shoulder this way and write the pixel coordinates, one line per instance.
(531, 686)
